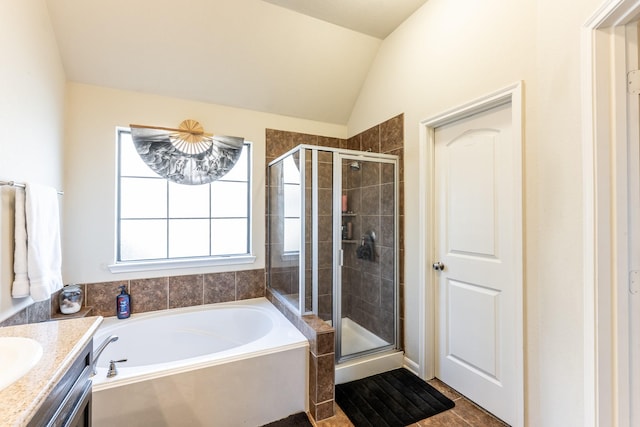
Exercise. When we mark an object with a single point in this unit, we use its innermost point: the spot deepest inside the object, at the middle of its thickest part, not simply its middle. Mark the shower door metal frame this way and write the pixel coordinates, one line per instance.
(338, 253)
(301, 150)
(337, 156)
(314, 230)
(302, 274)
(302, 286)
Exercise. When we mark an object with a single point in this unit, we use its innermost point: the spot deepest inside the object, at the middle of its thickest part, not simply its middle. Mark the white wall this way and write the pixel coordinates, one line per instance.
(450, 52)
(93, 115)
(32, 84)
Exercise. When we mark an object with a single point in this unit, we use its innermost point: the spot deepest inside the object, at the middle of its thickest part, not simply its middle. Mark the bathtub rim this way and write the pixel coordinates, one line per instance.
(148, 372)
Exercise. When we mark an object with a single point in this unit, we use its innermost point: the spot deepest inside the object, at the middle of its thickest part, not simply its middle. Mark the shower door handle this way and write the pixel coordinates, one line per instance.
(438, 266)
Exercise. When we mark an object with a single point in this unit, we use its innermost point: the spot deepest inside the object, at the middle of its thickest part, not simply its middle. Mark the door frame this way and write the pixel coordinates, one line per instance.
(427, 322)
(606, 247)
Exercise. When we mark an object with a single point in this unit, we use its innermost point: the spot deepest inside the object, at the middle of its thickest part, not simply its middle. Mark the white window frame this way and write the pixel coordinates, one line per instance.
(183, 262)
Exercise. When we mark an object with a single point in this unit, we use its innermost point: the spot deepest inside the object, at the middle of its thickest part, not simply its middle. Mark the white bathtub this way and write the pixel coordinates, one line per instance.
(232, 364)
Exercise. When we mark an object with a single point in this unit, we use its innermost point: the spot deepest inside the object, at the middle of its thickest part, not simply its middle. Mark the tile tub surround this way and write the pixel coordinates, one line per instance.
(61, 342)
(321, 338)
(154, 294)
(163, 293)
(36, 312)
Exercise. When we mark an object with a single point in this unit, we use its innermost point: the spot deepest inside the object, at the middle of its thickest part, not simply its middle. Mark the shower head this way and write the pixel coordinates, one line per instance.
(355, 166)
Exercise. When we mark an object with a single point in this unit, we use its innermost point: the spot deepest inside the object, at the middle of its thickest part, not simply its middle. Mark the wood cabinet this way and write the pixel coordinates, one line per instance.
(69, 403)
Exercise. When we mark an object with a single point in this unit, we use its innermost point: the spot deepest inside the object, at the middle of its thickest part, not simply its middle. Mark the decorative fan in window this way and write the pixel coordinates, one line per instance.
(187, 155)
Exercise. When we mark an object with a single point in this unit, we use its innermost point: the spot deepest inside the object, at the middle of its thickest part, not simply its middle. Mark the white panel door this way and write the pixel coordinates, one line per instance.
(477, 241)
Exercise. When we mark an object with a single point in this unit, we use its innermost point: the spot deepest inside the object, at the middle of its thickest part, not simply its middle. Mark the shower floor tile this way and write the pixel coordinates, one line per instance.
(356, 339)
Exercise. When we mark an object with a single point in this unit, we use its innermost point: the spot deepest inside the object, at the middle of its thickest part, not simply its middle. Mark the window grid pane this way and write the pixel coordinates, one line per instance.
(130, 162)
(228, 236)
(158, 219)
(189, 201)
(143, 198)
(143, 239)
(187, 239)
(229, 199)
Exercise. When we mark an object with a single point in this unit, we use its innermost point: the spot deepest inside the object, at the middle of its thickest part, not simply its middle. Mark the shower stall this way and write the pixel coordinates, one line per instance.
(333, 249)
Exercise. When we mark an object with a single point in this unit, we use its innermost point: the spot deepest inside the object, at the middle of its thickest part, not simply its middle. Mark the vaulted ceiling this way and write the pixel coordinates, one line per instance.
(300, 58)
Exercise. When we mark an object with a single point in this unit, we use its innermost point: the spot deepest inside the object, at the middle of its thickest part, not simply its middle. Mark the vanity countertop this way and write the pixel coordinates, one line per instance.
(61, 341)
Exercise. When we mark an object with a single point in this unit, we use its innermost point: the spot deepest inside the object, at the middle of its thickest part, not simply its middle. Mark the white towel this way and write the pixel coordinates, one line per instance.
(44, 254)
(20, 287)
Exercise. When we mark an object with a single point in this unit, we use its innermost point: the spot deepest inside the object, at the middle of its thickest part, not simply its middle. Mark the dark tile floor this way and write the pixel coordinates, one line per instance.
(464, 414)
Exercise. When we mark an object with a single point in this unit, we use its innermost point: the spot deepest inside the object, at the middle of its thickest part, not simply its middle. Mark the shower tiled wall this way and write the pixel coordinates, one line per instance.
(368, 284)
(387, 137)
(325, 235)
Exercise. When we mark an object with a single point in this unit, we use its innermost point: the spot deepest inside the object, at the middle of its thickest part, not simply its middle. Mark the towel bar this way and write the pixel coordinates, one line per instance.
(21, 185)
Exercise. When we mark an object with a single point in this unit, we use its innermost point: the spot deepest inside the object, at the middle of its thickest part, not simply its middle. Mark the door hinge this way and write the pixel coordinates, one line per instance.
(633, 82)
(634, 282)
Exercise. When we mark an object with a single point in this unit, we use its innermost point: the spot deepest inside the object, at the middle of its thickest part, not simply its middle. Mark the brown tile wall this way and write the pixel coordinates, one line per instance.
(279, 142)
(368, 285)
(284, 277)
(36, 312)
(325, 235)
(163, 293)
(154, 294)
(322, 357)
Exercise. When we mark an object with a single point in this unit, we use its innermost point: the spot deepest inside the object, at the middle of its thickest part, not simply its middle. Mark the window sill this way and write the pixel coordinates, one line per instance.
(126, 267)
(290, 256)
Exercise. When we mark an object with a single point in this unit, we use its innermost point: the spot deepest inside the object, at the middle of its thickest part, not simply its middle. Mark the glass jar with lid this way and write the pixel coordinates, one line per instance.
(70, 299)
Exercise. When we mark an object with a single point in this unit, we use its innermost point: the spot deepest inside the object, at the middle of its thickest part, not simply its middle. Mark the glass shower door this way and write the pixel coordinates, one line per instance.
(284, 224)
(367, 302)
(318, 232)
(300, 227)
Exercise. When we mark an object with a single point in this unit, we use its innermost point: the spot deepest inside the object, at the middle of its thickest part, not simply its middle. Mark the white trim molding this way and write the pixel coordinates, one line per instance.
(605, 112)
(167, 264)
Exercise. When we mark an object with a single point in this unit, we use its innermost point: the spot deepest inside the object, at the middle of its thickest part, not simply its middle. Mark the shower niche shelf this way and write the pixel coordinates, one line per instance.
(347, 215)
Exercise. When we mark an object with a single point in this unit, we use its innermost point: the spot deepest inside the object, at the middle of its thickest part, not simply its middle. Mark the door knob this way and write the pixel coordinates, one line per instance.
(438, 266)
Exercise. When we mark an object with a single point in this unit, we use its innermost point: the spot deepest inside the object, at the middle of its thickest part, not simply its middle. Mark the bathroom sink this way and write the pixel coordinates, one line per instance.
(17, 356)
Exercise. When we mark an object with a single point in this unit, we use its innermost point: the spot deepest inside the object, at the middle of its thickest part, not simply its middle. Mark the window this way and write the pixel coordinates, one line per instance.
(160, 222)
